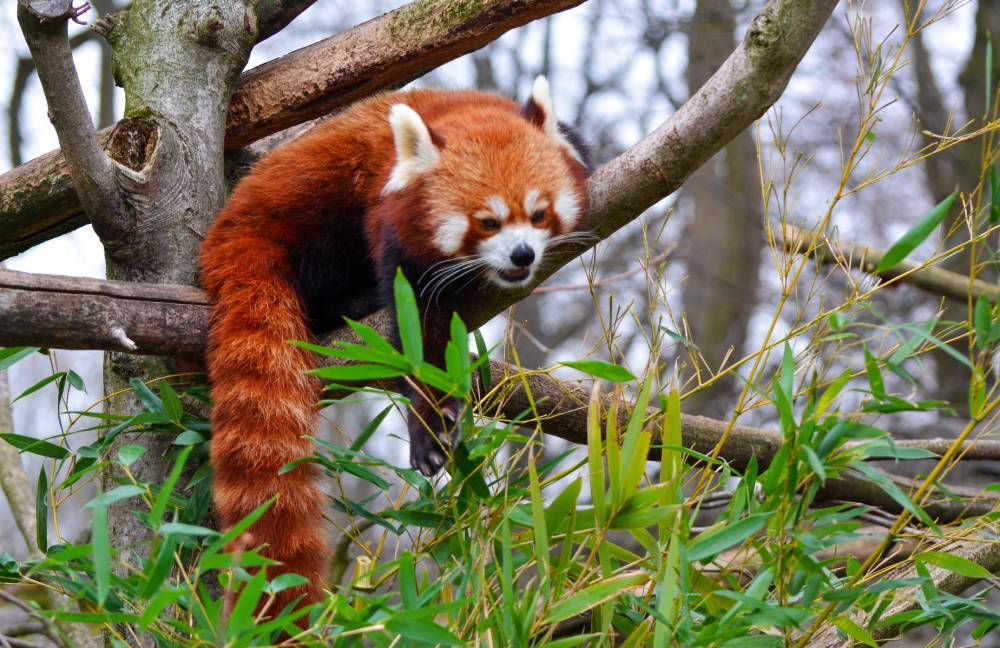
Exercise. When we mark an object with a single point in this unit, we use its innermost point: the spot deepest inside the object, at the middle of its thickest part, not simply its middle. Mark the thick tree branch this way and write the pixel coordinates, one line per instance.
(38, 201)
(274, 15)
(70, 312)
(43, 23)
(932, 279)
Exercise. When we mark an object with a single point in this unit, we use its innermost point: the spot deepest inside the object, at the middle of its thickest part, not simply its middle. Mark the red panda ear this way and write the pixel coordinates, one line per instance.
(416, 151)
(539, 111)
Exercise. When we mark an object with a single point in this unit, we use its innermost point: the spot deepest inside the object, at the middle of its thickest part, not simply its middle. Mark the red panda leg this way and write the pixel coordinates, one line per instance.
(263, 408)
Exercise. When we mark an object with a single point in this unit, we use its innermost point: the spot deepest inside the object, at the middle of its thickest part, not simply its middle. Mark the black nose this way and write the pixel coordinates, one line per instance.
(522, 256)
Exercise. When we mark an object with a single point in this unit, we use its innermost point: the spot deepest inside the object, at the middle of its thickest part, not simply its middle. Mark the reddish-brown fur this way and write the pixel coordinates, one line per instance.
(263, 400)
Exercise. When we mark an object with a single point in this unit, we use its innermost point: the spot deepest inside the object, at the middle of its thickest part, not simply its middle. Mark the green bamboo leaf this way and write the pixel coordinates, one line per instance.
(875, 382)
(595, 456)
(35, 446)
(856, 632)
(42, 511)
(485, 377)
(146, 396)
(102, 549)
(160, 503)
(538, 522)
(10, 356)
(179, 528)
(370, 429)
(953, 563)
(894, 491)
(105, 500)
(601, 369)
(358, 372)
(159, 567)
(38, 385)
(983, 321)
(411, 626)
(635, 446)
(593, 596)
(408, 319)
(171, 402)
(916, 235)
(129, 453)
(713, 542)
(558, 511)
(76, 381)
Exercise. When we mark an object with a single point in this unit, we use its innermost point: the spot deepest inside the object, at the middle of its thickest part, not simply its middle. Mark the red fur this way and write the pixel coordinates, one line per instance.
(263, 400)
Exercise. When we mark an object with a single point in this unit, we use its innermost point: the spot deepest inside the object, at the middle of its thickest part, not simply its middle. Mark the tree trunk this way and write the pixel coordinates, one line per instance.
(178, 64)
(723, 238)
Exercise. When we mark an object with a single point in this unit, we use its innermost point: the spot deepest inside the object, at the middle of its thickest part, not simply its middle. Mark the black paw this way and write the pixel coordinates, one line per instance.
(429, 450)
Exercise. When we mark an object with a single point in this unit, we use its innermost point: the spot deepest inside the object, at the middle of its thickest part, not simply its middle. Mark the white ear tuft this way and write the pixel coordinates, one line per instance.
(416, 153)
(542, 98)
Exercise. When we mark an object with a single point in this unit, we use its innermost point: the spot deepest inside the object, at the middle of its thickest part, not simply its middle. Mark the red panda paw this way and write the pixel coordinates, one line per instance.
(430, 448)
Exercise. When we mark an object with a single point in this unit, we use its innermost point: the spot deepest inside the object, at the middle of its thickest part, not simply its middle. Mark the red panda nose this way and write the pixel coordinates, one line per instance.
(522, 256)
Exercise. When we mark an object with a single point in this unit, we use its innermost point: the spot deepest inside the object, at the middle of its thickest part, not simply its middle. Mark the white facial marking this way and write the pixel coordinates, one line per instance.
(449, 233)
(415, 152)
(499, 207)
(567, 208)
(533, 202)
(497, 249)
(543, 99)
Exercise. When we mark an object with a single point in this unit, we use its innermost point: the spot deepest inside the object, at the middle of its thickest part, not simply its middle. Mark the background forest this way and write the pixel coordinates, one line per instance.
(883, 129)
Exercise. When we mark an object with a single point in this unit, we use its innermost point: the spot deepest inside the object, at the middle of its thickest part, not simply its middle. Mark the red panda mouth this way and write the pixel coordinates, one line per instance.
(514, 276)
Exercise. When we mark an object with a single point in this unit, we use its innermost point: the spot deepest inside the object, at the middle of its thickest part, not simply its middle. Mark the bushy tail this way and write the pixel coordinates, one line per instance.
(263, 408)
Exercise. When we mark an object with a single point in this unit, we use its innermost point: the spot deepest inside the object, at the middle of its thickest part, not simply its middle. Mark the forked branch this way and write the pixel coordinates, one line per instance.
(44, 24)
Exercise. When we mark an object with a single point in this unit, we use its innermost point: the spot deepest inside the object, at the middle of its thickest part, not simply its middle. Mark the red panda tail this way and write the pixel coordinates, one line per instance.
(263, 408)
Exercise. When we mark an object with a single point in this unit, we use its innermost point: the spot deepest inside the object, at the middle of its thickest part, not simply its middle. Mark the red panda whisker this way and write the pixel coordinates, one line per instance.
(451, 275)
(442, 275)
(450, 261)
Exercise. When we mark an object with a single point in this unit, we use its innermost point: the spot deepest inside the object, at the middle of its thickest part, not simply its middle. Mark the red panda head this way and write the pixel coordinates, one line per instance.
(498, 187)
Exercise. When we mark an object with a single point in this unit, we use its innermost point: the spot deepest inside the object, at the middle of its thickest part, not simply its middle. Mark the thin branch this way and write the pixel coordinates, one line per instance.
(932, 279)
(43, 23)
(274, 15)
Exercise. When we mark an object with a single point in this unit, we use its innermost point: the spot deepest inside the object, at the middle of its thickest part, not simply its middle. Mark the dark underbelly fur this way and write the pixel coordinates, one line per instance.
(337, 284)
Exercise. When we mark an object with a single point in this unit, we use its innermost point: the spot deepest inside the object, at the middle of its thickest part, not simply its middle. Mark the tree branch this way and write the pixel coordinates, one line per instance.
(43, 23)
(935, 280)
(274, 15)
(71, 312)
(38, 201)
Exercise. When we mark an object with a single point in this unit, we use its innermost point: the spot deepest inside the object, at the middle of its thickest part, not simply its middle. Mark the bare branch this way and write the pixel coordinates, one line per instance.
(38, 201)
(43, 23)
(274, 15)
(935, 280)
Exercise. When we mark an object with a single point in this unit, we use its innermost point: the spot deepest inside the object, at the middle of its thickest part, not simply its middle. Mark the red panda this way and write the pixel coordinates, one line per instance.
(465, 191)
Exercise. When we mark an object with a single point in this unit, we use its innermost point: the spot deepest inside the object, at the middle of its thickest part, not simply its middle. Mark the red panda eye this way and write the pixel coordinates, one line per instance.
(538, 216)
(490, 224)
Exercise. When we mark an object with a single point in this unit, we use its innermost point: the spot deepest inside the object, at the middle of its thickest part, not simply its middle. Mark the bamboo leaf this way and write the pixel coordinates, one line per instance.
(593, 596)
(916, 234)
(713, 542)
(601, 369)
(408, 319)
(957, 564)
